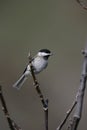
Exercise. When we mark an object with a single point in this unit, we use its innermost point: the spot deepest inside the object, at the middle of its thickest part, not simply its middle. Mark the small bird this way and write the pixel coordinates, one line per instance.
(39, 63)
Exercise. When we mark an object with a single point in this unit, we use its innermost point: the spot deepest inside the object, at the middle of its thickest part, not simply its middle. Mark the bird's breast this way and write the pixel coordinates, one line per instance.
(39, 64)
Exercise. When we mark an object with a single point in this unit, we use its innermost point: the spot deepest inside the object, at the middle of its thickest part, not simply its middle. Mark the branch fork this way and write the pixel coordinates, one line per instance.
(78, 103)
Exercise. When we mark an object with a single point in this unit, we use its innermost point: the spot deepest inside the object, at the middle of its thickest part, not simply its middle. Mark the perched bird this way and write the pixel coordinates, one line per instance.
(39, 62)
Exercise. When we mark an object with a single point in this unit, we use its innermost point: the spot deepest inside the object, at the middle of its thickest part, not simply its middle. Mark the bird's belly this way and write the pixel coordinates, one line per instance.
(39, 67)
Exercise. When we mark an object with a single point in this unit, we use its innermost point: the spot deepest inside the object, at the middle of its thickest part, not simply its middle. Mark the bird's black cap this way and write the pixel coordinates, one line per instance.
(45, 50)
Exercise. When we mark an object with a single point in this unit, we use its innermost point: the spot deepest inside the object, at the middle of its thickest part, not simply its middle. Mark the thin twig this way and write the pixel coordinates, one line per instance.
(67, 115)
(37, 87)
(11, 123)
(83, 3)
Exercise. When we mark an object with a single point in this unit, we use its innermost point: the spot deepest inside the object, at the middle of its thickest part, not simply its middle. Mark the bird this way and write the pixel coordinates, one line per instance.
(39, 63)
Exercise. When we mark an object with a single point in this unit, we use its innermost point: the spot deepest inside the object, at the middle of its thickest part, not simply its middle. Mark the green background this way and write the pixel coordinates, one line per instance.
(30, 25)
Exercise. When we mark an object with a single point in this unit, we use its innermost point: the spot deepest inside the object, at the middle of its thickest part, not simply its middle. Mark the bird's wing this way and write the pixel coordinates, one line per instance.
(28, 64)
(25, 70)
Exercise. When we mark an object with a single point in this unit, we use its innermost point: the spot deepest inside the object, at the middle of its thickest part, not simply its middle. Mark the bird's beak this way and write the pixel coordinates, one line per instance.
(51, 54)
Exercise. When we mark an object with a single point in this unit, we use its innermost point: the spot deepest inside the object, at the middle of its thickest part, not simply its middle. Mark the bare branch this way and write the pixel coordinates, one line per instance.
(78, 100)
(11, 123)
(83, 3)
(80, 94)
(37, 87)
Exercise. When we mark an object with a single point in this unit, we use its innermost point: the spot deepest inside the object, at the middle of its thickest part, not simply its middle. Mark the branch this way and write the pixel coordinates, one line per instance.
(80, 94)
(37, 87)
(83, 3)
(78, 103)
(11, 123)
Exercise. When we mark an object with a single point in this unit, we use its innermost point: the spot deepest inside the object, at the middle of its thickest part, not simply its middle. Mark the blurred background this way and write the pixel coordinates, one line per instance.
(30, 25)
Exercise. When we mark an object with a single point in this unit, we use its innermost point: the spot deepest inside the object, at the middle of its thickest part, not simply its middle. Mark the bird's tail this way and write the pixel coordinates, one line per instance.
(20, 82)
